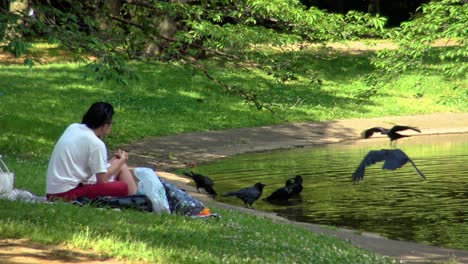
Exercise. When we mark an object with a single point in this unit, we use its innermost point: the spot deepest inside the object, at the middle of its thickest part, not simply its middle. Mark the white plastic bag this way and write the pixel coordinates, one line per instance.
(25, 196)
(150, 185)
(7, 179)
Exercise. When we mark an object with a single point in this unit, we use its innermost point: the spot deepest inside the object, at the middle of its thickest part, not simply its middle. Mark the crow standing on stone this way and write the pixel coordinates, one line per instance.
(392, 133)
(248, 195)
(393, 159)
(202, 181)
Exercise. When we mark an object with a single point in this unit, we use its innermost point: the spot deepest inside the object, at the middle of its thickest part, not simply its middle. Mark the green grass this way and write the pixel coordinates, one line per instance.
(37, 104)
(137, 236)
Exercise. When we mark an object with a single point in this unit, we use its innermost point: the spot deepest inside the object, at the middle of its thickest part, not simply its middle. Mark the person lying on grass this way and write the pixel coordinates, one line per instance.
(79, 166)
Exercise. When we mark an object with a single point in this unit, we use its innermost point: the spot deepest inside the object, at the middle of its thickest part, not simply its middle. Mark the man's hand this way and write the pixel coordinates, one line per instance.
(122, 155)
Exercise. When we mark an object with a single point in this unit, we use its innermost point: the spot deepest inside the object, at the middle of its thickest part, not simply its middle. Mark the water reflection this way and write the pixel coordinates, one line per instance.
(398, 204)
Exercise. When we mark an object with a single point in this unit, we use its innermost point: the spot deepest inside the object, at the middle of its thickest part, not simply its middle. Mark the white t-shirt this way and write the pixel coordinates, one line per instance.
(78, 155)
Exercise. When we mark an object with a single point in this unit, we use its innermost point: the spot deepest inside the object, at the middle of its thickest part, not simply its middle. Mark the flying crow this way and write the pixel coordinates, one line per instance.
(393, 159)
(392, 133)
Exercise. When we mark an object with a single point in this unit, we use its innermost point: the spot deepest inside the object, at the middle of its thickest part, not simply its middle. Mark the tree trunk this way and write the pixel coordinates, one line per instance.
(373, 7)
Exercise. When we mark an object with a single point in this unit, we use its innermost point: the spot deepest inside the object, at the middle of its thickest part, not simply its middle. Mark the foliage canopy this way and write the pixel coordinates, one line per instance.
(116, 32)
(436, 35)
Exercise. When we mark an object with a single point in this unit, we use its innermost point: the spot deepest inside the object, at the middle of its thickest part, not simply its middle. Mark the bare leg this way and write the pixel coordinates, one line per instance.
(124, 174)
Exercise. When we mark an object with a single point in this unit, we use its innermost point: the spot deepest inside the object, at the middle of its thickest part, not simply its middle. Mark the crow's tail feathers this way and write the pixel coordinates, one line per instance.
(210, 190)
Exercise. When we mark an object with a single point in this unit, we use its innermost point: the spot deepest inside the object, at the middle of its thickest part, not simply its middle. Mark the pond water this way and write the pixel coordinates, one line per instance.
(397, 204)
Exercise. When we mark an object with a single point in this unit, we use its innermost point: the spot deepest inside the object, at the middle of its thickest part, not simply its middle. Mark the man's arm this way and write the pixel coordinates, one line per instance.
(119, 159)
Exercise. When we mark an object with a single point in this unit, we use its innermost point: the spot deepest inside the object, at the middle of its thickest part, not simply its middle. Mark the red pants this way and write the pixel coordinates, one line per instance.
(115, 188)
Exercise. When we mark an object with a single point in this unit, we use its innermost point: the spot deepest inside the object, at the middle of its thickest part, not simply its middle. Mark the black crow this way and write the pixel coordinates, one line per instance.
(293, 186)
(295, 183)
(281, 194)
(393, 159)
(392, 133)
(202, 181)
(248, 195)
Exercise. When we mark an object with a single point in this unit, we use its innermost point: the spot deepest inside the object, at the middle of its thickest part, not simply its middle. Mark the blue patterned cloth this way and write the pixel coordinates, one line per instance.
(181, 202)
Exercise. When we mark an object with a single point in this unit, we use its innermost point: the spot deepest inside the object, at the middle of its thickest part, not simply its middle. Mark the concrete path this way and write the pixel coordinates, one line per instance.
(166, 154)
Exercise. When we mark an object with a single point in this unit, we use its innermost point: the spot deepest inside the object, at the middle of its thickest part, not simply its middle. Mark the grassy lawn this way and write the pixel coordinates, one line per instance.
(235, 238)
(37, 104)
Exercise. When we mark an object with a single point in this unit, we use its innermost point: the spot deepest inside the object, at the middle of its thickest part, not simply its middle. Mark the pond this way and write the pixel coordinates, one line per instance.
(397, 204)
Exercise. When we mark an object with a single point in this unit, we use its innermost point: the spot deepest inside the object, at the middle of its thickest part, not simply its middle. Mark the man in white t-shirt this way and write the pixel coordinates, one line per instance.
(79, 167)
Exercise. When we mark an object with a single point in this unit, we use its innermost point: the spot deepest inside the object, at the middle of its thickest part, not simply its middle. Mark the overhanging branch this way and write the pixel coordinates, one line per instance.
(249, 97)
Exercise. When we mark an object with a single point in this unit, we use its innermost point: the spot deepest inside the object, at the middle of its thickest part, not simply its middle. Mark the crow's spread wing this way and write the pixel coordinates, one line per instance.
(369, 132)
(371, 158)
(396, 159)
(401, 128)
(393, 159)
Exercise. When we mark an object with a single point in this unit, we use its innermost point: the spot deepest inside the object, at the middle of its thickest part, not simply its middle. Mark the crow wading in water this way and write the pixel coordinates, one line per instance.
(248, 195)
(293, 186)
(281, 194)
(295, 183)
(393, 159)
(202, 181)
(392, 133)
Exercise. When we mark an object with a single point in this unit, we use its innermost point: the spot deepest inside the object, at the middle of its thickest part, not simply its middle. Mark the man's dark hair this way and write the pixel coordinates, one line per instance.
(98, 114)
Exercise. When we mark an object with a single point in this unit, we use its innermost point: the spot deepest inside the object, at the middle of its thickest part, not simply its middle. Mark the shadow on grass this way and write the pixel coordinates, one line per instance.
(30, 252)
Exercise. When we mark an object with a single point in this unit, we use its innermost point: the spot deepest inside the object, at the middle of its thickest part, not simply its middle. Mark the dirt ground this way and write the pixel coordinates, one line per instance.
(21, 251)
(165, 154)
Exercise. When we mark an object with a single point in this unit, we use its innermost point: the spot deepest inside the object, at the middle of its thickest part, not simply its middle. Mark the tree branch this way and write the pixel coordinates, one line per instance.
(217, 52)
(125, 21)
(249, 97)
